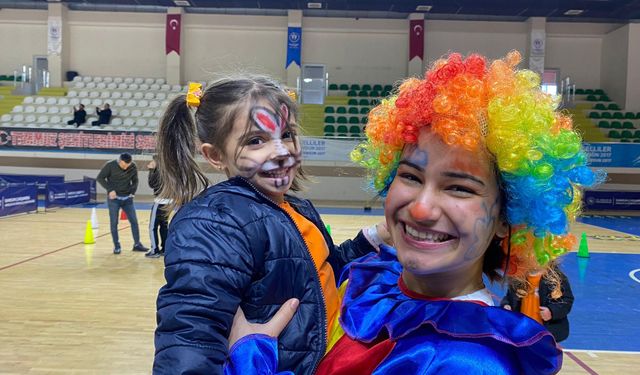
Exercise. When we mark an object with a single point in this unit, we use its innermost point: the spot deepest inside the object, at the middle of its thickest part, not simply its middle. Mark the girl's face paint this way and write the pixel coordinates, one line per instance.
(270, 155)
(443, 210)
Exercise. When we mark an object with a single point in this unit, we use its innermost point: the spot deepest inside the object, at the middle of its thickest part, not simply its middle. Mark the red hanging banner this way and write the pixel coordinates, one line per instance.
(173, 33)
(416, 39)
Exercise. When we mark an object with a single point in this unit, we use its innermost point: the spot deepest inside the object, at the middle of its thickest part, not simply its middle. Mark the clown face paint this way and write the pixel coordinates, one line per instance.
(443, 210)
(268, 154)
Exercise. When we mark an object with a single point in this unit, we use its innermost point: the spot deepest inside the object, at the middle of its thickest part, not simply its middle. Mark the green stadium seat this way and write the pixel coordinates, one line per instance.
(354, 120)
(352, 93)
(592, 98)
(600, 107)
(608, 115)
(594, 114)
(636, 134)
(638, 115)
(630, 115)
(342, 130)
(377, 87)
(614, 134)
(363, 102)
(353, 102)
(589, 92)
(579, 91)
(364, 111)
(613, 107)
(329, 109)
(342, 120)
(333, 86)
(364, 120)
(329, 129)
(355, 87)
(604, 98)
(374, 93)
(354, 129)
(599, 92)
(604, 124)
(353, 111)
(344, 87)
(387, 88)
(329, 120)
(341, 110)
(375, 102)
(363, 93)
(636, 140)
(616, 125)
(366, 87)
(628, 125)
(618, 115)
(385, 93)
(625, 140)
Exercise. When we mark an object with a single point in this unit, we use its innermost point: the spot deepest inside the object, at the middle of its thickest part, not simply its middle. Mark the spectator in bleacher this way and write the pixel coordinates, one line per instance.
(104, 115)
(120, 179)
(79, 116)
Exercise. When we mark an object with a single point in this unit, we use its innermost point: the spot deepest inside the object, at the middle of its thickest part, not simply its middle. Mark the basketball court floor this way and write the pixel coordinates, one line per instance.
(71, 308)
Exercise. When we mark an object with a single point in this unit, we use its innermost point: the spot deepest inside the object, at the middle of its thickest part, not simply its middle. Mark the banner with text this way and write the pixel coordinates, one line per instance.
(612, 200)
(16, 199)
(294, 46)
(613, 155)
(40, 181)
(68, 194)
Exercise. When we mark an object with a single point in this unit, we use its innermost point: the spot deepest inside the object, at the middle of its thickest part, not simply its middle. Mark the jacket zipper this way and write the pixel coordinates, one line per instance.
(306, 245)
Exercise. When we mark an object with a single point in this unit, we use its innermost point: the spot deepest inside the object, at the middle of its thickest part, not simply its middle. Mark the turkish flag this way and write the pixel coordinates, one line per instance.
(416, 39)
(174, 24)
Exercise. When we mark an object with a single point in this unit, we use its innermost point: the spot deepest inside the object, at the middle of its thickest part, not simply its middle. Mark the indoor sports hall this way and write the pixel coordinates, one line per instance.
(72, 306)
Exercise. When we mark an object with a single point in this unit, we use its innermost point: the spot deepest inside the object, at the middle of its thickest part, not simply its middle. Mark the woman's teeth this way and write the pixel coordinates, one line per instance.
(426, 236)
(276, 173)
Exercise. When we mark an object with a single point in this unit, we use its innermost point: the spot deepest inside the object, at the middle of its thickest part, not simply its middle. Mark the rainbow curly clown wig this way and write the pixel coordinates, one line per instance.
(476, 105)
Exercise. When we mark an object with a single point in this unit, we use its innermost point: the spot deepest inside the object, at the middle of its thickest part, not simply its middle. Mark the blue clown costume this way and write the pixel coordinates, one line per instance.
(391, 330)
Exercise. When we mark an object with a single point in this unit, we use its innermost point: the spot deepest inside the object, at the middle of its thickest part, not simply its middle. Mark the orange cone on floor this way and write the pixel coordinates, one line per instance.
(123, 216)
(88, 234)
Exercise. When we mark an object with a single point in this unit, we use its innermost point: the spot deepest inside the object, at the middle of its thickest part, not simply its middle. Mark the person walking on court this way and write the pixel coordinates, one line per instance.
(79, 116)
(159, 219)
(120, 179)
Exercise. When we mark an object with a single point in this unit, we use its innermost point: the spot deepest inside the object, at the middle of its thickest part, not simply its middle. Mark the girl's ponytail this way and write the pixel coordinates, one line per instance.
(180, 174)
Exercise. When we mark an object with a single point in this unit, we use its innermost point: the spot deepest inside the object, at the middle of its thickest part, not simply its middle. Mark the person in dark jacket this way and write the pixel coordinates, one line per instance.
(554, 297)
(158, 221)
(120, 179)
(244, 242)
(104, 115)
(79, 116)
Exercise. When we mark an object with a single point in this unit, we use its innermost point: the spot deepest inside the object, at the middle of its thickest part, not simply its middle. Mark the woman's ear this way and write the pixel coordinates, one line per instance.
(212, 155)
(502, 230)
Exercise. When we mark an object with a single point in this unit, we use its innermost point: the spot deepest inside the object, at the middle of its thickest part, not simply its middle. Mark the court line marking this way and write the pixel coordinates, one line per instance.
(53, 251)
(600, 351)
(632, 275)
(581, 364)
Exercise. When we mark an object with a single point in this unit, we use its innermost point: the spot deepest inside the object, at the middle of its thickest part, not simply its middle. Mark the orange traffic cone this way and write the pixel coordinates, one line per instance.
(123, 216)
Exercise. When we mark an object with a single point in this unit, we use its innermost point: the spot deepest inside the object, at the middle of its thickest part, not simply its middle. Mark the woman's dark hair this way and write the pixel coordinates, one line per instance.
(180, 133)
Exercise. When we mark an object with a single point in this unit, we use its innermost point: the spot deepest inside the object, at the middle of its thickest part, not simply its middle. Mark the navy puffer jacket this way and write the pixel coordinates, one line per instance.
(230, 247)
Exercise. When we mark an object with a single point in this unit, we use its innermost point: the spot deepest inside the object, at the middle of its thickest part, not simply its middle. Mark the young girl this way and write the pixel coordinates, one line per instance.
(242, 242)
(481, 175)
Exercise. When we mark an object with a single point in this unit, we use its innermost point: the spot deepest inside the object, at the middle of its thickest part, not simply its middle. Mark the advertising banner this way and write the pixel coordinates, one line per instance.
(294, 46)
(68, 194)
(15, 199)
(612, 200)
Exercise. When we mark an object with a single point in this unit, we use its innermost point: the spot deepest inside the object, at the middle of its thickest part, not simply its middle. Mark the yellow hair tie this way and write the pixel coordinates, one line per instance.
(194, 94)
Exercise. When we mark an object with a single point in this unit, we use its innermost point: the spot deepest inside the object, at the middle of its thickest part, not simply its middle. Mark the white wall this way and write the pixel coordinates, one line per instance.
(23, 33)
(633, 69)
(215, 45)
(613, 72)
(357, 50)
(117, 43)
(492, 39)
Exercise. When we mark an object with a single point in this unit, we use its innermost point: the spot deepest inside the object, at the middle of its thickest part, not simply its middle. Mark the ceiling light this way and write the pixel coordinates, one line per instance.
(314, 5)
(423, 8)
(182, 3)
(573, 12)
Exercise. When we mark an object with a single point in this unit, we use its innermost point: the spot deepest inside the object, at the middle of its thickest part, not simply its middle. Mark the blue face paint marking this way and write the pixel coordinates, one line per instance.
(419, 157)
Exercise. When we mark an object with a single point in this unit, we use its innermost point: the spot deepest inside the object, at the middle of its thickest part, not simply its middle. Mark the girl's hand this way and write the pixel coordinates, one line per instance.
(545, 313)
(241, 327)
(507, 307)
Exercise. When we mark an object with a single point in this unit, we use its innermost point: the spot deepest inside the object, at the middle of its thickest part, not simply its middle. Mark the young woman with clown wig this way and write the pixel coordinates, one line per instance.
(482, 175)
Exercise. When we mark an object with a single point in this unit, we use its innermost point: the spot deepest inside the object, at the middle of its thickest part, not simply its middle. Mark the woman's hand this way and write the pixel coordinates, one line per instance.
(241, 327)
(545, 313)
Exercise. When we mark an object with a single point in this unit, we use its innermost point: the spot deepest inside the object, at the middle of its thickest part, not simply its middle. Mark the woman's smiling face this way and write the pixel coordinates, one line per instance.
(443, 208)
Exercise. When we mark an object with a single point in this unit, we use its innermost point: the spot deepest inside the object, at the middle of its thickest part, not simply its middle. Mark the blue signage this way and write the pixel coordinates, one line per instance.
(18, 199)
(68, 193)
(294, 46)
(613, 155)
(612, 200)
